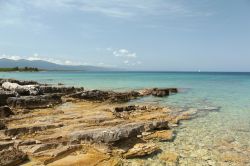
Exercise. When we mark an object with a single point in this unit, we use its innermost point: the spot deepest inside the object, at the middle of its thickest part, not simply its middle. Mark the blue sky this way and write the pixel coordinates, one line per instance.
(191, 35)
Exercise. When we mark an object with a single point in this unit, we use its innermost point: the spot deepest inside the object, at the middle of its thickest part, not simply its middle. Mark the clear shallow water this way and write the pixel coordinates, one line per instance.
(196, 138)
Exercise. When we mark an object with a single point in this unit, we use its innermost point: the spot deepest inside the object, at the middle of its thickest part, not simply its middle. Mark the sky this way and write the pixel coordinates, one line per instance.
(166, 35)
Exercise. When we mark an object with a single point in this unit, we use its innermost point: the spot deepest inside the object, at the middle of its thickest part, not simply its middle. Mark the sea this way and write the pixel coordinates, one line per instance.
(220, 137)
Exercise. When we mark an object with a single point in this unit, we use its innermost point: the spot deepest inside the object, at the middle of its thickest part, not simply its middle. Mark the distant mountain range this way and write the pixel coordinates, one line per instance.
(45, 65)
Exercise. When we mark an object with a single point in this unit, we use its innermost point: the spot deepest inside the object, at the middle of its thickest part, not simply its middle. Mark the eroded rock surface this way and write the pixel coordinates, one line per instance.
(141, 149)
(67, 125)
(5, 112)
(31, 102)
(24, 90)
(12, 156)
(4, 95)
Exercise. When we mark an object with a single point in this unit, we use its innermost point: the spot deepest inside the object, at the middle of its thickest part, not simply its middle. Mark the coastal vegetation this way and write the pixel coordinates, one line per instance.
(23, 69)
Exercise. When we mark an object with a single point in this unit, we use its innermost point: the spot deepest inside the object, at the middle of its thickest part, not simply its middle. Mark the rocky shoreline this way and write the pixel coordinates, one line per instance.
(42, 124)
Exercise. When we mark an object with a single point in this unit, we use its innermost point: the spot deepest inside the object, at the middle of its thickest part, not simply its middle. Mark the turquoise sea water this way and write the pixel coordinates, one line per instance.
(229, 91)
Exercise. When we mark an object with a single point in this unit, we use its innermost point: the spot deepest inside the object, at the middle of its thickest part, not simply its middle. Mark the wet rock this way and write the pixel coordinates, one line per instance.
(4, 95)
(12, 156)
(235, 157)
(169, 157)
(141, 149)
(116, 133)
(164, 135)
(126, 108)
(23, 90)
(29, 129)
(5, 112)
(31, 102)
(161, 92)
(120, 97)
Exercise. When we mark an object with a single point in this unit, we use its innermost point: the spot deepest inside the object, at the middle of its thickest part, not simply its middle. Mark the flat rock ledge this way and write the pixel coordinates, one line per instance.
(44, 124)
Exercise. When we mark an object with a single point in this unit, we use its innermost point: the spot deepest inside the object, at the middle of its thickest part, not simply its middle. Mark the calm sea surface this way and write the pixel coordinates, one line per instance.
(229, 91)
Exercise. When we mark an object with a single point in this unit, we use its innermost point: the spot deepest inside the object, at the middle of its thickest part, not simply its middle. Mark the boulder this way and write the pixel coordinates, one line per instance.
(32, 102)
(4, 95)
(23, 90)
(5, 112)
(141, 149)
(12, 156)
(116, 133)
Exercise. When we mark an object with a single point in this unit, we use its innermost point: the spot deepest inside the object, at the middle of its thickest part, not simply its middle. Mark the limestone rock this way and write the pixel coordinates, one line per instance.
(4, 95)
(164, 135)
(6, 144)
(23, 90)
(101, 96)
(20, 82)
(169, 157)
(116, 133)
(12, 156)
(91, 158)
(126, 108)
(161, 92)
(2, 126)
(29, 129)
(141, 149)
(31, 102)
(57, 89)
(5, 111)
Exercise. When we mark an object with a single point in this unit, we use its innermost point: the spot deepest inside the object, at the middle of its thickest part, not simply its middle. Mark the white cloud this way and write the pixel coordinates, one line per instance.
(12, 57)
(124, 53)
(113, 8)
(126, 62)
(68, 62)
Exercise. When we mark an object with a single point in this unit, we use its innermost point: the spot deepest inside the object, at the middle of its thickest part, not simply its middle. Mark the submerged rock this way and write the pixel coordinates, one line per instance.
(161, 92)
(31, 102)
(12, 156)
(141, 149)
(164, 135)
(169, 157)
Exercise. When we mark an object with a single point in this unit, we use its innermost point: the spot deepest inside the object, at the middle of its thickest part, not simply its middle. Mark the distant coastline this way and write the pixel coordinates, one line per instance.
(23, 69)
